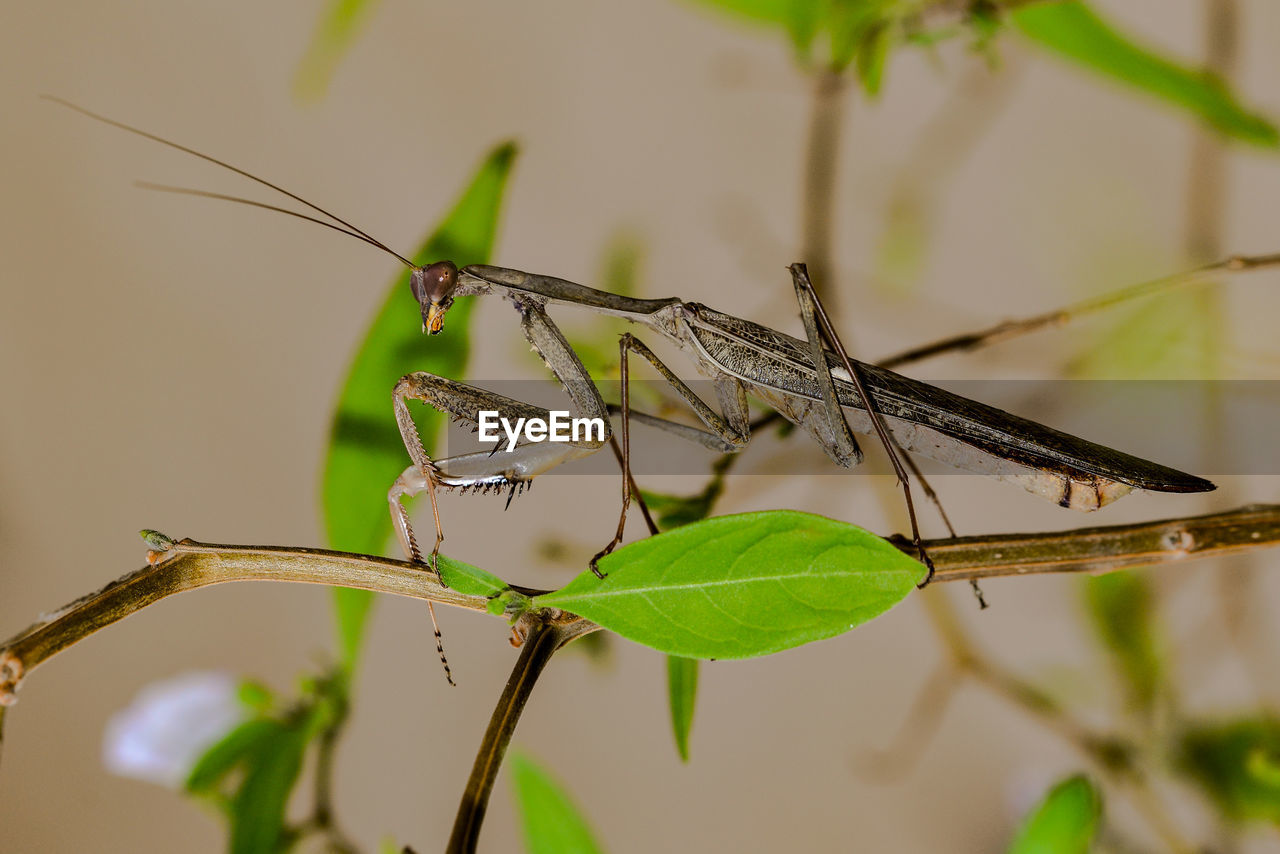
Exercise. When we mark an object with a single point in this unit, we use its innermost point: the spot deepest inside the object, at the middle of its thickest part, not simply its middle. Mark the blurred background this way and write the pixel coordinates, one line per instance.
(172, 363)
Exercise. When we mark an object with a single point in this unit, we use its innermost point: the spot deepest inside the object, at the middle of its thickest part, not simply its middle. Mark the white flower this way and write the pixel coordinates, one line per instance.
(170, 725)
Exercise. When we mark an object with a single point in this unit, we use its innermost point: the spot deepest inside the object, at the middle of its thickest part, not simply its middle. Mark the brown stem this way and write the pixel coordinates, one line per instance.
(818, 206)
(188, 565)
(1207, 187)
(542, 638)
(1104, 548)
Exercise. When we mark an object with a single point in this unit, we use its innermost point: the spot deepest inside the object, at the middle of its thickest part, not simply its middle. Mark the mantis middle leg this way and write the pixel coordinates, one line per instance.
(727, 433)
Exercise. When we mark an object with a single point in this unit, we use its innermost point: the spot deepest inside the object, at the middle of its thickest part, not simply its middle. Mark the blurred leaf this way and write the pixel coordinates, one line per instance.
(1237, 763)
(1120, 605)
(770, 12)
(872, 56)
(675, 511)
(742, 586)
(1170, 338)
(552, 824)
(596, 343)
(258, 808)
(903, 249)
(851, 26)
(802, 22)
(335, 33)
(256, 696)
(228, 753)
(682, 692)
(597, 647)
(1074, 31)
(1064, 823)
(621, 268)
(1263, 766)
(984, 25)
(860, 30)
(365, 452)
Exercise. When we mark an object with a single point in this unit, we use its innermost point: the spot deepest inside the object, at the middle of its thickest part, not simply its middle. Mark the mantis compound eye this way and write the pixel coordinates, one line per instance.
(433, 288)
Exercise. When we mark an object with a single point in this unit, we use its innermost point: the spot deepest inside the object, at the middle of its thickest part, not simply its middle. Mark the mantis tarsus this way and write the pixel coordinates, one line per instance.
(812, 383)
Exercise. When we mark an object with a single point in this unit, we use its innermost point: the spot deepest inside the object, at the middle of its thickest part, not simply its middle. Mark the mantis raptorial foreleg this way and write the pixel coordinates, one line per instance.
(489, 470)
(484, 470)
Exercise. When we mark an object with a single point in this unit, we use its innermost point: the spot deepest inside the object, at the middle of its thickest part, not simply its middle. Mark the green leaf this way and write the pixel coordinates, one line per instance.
(228, 753)
(1074, 31)
(682, 691)
(258, 808)
(334, 35)
(468, 579)
(551, 822)
(365, 452)
(1120, 605)
(742, 586)
(1237, 763)
(1064, 823)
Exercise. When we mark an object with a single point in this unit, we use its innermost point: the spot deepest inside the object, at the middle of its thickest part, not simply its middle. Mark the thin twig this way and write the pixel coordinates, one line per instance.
(542, 638)
(1115, 757)
(1013, 328)
(916, 731)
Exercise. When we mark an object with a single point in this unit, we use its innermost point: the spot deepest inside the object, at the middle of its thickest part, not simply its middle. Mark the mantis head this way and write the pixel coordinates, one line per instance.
(433, 288)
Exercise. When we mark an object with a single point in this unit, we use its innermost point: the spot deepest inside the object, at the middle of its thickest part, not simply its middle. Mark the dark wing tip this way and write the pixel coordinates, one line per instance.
(1180, 482)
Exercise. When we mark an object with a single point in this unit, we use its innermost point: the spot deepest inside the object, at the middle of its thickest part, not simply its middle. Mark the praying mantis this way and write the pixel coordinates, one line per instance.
(813, 383)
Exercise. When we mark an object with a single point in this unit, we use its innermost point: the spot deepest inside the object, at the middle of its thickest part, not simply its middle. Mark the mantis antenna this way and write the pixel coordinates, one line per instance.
(353, 230)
